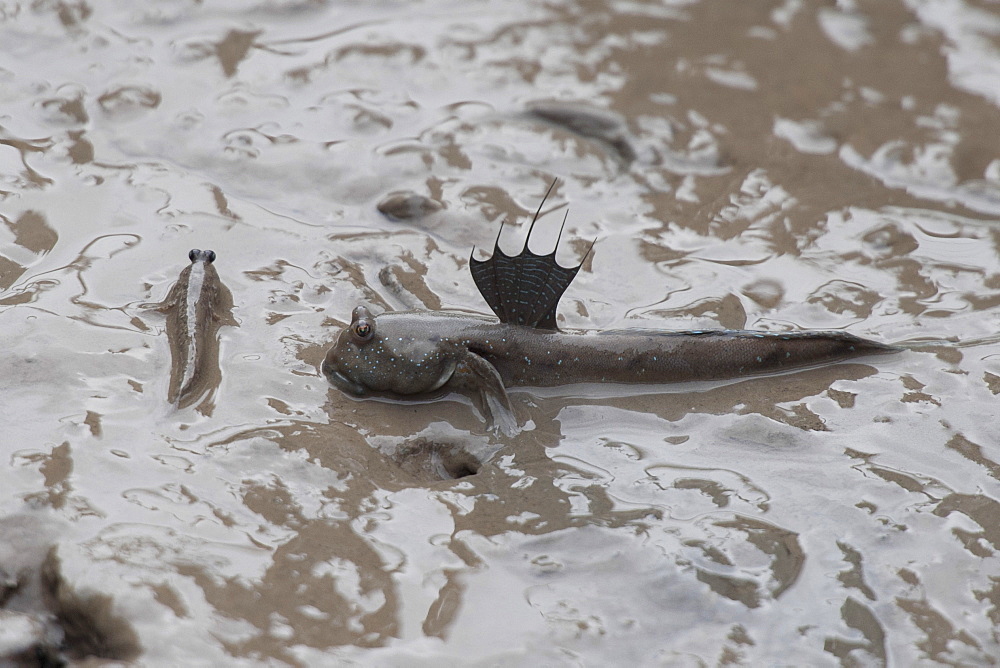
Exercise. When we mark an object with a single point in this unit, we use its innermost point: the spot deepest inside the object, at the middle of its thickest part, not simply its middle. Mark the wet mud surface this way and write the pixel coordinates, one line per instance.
(763, 165)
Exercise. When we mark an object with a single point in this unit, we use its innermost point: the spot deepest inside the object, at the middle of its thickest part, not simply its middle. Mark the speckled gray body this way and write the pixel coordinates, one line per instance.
(414, 352)
(407, 353)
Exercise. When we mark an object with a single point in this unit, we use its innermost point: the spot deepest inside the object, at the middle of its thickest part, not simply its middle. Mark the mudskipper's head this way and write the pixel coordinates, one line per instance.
(198, 255)
(377, 354)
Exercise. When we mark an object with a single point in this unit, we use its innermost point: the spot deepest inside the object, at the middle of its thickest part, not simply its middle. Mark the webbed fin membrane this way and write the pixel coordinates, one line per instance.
(524, 289)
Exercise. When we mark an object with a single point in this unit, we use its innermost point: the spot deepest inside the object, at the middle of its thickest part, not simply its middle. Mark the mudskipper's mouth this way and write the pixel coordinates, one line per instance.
(342, 382)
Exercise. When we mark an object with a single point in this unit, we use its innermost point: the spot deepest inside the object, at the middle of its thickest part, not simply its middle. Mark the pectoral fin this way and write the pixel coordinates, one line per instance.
(475, 374)
(172, 299)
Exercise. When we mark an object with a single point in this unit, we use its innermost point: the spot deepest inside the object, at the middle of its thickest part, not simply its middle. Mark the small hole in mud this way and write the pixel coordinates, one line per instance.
(433, 460)
(462, 470)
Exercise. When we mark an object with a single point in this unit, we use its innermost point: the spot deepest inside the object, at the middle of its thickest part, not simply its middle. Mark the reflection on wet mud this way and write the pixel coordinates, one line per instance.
(605, 127)
(770, 165)
(32, 234)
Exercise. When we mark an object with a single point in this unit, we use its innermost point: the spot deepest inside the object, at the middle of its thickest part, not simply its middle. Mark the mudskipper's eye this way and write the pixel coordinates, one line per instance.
(210, 256)
(193, 254)
(364, 330)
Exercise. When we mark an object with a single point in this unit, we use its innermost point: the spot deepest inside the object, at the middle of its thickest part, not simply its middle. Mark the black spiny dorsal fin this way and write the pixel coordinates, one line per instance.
(524, 289)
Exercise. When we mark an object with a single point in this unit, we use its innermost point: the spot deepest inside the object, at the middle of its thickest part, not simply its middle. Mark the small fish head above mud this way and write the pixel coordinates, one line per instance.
(197, 255)
(386, 354)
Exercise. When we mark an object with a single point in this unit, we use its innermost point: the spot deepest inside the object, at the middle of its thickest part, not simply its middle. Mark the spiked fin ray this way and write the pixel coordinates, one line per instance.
(523, 289)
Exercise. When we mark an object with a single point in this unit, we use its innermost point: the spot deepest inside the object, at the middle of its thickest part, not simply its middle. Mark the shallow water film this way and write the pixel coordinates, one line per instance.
(776, 166)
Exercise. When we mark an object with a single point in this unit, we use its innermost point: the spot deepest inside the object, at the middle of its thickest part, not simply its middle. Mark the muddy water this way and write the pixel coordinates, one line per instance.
(770, 165)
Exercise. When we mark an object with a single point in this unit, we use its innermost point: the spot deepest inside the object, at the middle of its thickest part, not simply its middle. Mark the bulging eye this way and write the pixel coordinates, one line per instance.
(210, 256)
(193, 254)
(363, 330)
